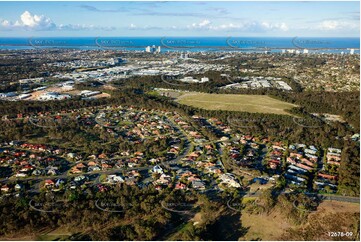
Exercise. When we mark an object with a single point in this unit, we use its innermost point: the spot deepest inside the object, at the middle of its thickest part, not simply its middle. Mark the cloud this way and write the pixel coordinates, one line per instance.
(28, 21)
(354, 15)
(130, 6)
(251, 26)
(207, 25)
(178, 14)
(146, 27)
(204, 24)
(329, 25)
(75, 27)
(94, 9)
(222, 11)
(152, 27)
(277, 26)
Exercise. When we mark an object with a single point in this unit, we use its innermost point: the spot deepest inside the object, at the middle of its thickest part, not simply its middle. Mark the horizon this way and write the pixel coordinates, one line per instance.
(188, 42)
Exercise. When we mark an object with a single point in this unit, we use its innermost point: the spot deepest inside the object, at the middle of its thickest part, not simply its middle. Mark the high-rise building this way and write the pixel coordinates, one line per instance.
(147, 49)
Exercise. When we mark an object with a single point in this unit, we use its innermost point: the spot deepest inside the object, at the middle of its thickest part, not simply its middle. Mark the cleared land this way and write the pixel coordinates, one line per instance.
(35, 95)
(273, 225)
(235, 102)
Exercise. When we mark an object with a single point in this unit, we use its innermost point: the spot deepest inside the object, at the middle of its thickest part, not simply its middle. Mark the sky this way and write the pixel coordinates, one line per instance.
(251, 19)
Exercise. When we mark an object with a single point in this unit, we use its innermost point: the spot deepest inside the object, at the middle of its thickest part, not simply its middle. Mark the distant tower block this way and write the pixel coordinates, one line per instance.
(352, 51)
(305, 51)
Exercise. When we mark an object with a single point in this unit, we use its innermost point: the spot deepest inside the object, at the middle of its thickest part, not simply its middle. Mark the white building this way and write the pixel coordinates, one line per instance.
(23, 96)
(284, 85)
(87, 93)
(53, 96)
(204, 79)
(114, 179)
(230, 179)
(188, 79)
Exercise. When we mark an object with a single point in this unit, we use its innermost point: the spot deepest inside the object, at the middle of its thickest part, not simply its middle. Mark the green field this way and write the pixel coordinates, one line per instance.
(234, 102)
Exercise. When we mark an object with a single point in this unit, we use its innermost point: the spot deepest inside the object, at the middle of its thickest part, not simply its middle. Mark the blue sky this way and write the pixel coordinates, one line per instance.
(259, 19)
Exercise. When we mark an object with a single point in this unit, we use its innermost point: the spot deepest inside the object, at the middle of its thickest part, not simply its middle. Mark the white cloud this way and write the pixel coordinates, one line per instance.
(276, 26)
(207, 25)
(28, 21)
(241, 26)
(5, 23)
(204, 23)
(36, 21)
(133, 26)
(146, 27)
(335, 25)
(76, 27)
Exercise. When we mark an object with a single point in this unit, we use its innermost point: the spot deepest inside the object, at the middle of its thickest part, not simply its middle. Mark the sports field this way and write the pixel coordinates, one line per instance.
(235, 102)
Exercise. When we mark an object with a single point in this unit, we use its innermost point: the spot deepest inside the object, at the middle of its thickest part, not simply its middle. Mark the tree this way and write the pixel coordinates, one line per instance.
(349, 171)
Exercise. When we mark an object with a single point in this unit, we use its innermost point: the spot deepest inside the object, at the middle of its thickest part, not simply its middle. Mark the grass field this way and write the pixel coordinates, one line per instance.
(234, 102)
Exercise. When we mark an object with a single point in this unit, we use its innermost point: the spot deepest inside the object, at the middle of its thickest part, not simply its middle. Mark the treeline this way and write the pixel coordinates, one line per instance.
(345, 104)
(295, 207)
(137, 214)
(143, 220)
(349, 172)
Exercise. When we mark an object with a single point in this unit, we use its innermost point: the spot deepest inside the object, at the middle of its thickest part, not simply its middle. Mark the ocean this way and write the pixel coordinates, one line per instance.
(246, 44)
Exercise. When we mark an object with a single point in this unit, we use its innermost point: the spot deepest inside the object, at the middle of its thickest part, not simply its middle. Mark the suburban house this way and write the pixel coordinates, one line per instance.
(180, 186)
(198, 185)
